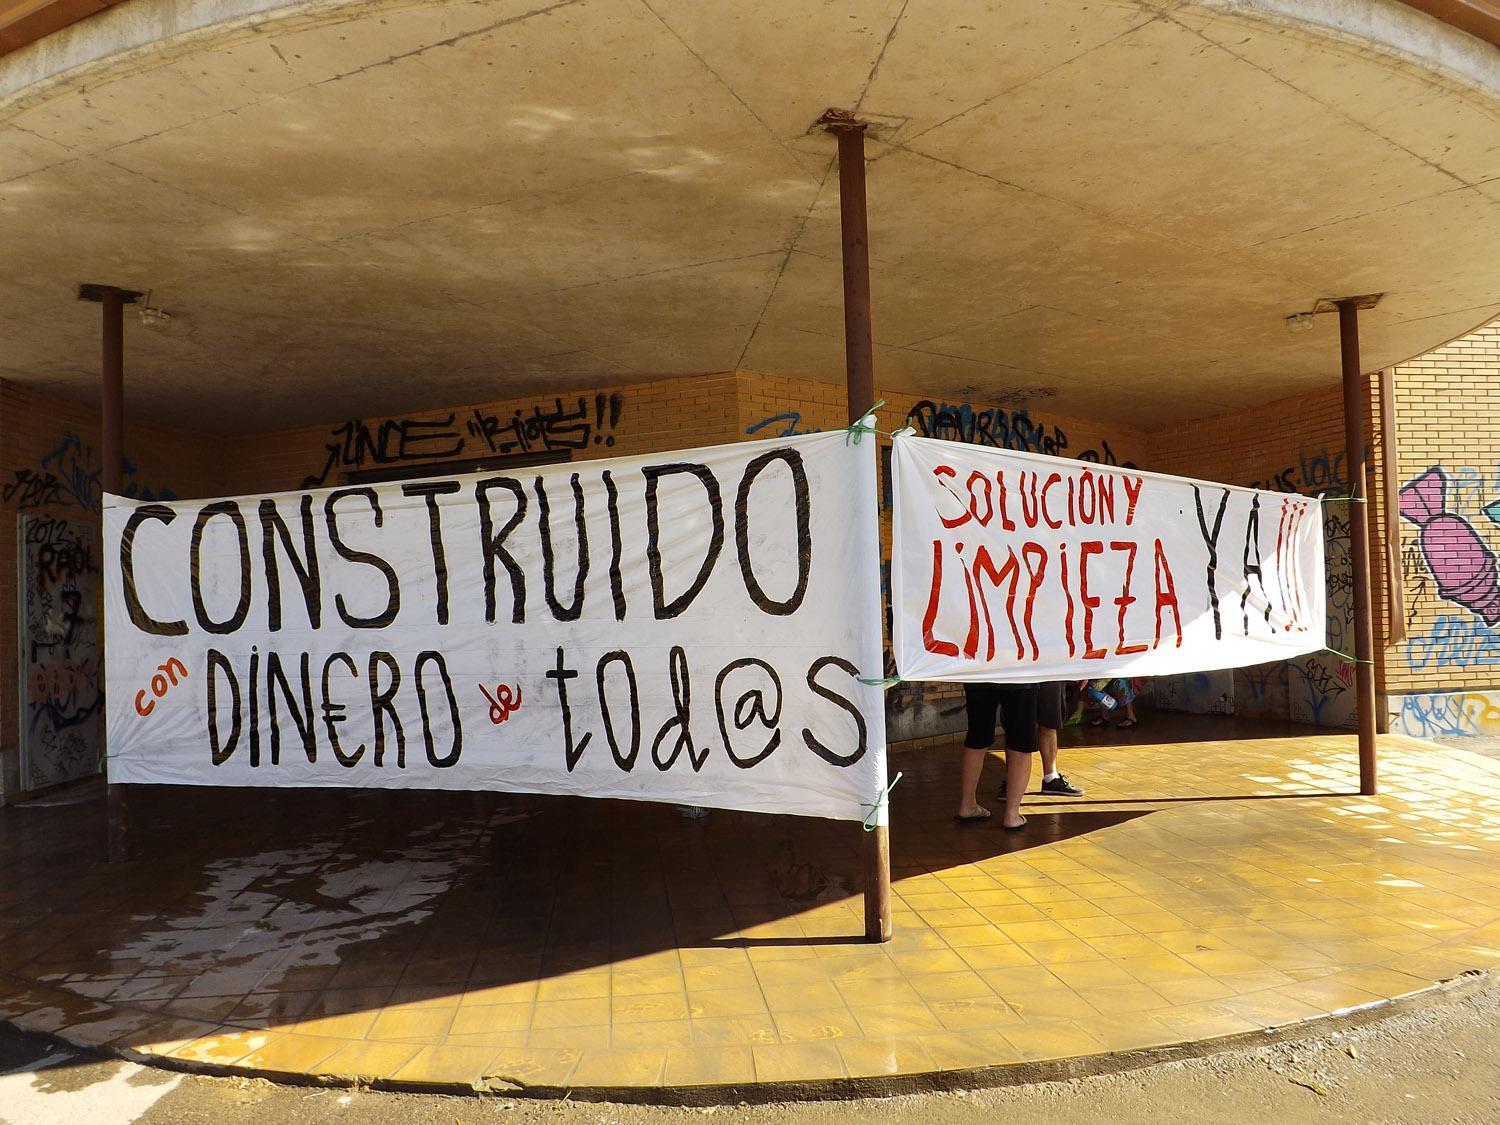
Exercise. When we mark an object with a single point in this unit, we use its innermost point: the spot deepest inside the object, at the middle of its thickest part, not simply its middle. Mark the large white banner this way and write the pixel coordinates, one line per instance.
(1019, 567)
(689, 628)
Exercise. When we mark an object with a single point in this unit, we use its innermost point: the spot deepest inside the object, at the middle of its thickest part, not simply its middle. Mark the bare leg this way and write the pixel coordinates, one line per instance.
(1046, 741)
(973, 766)
(1017, 777)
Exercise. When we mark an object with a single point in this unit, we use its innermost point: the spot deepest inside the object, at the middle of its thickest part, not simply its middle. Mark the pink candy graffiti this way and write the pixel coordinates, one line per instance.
(1459, 559)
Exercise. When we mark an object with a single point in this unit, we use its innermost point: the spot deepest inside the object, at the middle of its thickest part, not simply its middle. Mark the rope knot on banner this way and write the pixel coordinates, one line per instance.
(866, 425)
(882, 799)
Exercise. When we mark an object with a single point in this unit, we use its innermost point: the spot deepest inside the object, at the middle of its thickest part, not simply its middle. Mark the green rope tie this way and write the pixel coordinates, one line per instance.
(882, 799)
(881, 681)
(857, 430)
(1349, 659)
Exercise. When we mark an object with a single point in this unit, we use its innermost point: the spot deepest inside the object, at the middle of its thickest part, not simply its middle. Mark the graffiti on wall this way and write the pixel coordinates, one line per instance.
(1461, 563)
(61, 674)
(1003, 429)
(1453, 640)
(1461, 714)
(1318, 473)
(575, 425)
(1197, 693)
(1320, 687)
(1261, 689)
(788, 424)
(69, 476)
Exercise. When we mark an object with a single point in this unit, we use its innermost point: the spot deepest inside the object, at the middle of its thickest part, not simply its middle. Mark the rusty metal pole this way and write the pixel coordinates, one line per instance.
(859, 360)
(112, 302)
(1355, 387)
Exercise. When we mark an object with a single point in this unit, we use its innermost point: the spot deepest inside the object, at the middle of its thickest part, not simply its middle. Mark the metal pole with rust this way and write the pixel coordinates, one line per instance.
(1356, 457)
(112, 302)
(859, 356)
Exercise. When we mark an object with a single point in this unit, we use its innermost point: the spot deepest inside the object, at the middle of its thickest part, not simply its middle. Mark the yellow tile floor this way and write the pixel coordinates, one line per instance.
(1219, 879)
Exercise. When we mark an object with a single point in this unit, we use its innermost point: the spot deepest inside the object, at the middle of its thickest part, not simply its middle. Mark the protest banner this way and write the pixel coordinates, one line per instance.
(1016, 567)
(690, 627)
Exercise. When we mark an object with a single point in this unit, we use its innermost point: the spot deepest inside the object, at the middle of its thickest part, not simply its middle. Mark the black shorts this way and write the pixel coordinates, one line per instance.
(1049, 705)
(1017, 706)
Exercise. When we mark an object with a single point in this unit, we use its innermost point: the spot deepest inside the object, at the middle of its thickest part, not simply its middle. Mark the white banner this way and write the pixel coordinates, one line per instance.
(1019, 567)
(688, 628)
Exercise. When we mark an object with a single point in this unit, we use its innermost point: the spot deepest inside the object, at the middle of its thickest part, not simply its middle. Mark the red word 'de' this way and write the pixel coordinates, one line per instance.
(502, 703)
(164, 681)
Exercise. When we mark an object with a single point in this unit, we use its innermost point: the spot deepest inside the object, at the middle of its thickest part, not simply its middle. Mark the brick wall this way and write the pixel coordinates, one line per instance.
(585, 423)
(1448, 412)
(49, 466)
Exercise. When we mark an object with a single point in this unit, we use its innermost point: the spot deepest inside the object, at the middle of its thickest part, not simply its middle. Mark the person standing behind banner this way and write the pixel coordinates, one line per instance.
(1049, 720)
(1017, 707)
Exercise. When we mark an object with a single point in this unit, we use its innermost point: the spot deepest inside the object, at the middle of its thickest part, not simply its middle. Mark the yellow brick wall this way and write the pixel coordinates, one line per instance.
(590, 422)
(49, 466)
(1448, 413)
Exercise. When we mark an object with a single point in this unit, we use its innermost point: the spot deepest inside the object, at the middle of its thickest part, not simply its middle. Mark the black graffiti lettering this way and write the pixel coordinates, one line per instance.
(861, 737)
(625, 761)
(138, 615)
(272, 528)
(242, 609)
(302, 717)
(334, 713)
(803, 508)
(456, 747)
(549, 562)
(221, 749)
(663, 608)
(562, 674)
(681, 720)
(393, 586)
(431, 490)
(353, 445)
(1211, 541)
(749, 708)
(381, 705)
(492, 546)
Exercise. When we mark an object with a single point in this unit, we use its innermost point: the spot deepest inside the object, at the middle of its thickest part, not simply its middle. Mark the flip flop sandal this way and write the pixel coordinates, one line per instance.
(1015, 827)
(1128, 724)
(974, 818)
(1098, 723)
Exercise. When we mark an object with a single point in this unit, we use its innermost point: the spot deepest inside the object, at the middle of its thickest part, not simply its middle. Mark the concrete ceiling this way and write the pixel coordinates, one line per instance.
(367, 208)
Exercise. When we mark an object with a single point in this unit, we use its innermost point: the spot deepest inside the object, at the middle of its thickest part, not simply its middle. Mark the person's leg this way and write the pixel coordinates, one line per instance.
(1049, 708)
(1046, 744)
(1017, 777)
(980, 704)
(968, 799)
(1018, 703)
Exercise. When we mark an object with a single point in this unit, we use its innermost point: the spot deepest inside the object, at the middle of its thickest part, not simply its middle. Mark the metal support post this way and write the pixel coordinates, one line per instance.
(859, 352)
(1355, 456)
(112, 302)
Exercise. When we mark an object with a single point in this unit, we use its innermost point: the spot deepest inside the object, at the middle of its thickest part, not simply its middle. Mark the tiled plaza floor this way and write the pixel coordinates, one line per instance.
(1216, 880)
